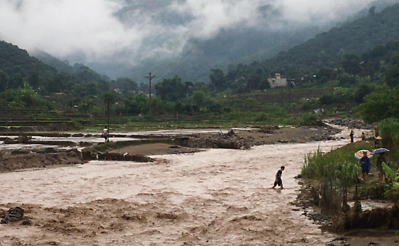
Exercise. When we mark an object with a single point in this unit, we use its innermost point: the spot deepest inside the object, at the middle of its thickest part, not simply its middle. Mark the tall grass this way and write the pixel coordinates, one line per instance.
(337, 164)
(389, 131)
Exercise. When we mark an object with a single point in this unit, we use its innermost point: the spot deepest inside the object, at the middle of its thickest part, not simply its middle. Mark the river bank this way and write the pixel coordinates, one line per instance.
(35, 147)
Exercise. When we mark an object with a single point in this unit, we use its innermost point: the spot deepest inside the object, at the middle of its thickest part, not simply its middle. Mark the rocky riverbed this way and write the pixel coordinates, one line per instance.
(351, 124)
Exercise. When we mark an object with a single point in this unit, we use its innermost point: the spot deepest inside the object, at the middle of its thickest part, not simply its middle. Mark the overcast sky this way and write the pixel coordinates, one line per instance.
(91, 27)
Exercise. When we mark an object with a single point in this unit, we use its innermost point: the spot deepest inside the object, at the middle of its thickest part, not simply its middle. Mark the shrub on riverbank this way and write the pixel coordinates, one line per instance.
(389, 131)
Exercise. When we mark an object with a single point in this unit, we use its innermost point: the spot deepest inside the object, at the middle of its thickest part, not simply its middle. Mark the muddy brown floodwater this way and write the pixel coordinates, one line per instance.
(216, 197)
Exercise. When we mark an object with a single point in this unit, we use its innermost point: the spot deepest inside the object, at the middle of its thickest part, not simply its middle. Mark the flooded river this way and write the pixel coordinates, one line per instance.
(216, 197)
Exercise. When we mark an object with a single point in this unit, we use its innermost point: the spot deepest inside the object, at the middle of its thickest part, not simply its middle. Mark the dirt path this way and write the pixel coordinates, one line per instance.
(217, 197)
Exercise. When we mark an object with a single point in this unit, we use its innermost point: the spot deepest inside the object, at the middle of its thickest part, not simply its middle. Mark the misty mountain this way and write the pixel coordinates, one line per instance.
(18, 68)
(239, 43)
(328, 48)
(338, 51)
(200, 56)
(229, 46)
(129, 38)
(61, 66)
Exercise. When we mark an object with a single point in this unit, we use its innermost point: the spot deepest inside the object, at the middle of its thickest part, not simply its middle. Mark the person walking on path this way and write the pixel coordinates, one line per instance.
(365, 162)
(105, 134)
(278, 180)
(380, 170)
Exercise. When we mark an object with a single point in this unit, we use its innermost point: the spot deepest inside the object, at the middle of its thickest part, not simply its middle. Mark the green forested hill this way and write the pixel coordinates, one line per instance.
(52, 61)
(17, 62)
(327, 49)
(18, 69)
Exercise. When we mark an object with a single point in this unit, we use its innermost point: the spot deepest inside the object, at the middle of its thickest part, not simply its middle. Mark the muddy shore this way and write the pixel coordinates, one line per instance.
(179, 144)
(236, 139)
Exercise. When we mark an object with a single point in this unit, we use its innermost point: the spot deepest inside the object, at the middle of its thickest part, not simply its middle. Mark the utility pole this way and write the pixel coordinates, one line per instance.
(289, 98)
(108, 115)
(150, 77)
(290, 85)
(6, 107)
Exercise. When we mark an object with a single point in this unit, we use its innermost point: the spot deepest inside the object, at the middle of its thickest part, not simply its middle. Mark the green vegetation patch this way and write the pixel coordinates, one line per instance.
(337, 164)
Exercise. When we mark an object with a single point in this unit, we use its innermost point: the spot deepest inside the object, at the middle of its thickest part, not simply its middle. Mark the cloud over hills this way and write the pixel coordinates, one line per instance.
(130, 31)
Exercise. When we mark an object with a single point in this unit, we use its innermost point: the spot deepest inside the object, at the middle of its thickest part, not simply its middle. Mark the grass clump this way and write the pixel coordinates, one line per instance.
(337, 164)
(389, 130)
(309, 119)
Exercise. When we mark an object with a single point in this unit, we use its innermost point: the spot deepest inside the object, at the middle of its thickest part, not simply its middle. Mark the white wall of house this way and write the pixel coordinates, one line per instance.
(277, 81)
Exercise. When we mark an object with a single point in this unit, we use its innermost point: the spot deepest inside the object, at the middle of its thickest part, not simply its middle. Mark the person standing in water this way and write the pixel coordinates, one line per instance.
(351, 135)
(278, 180)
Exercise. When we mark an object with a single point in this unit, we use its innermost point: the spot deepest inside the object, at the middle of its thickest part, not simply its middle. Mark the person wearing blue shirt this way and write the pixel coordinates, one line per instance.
(365, 162)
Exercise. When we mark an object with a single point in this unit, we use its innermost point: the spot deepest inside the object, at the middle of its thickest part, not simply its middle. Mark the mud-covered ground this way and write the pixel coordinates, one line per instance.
(37, 160)
(25, 152)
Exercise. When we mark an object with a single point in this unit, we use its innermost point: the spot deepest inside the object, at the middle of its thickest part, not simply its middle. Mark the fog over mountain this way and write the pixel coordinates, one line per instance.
(116, 35)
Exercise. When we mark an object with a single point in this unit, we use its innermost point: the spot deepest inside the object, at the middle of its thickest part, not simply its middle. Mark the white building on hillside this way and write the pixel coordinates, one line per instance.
(278, 81)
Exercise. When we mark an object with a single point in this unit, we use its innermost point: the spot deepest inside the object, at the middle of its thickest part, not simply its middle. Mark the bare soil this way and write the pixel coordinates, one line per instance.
(155, 149)
(269, 135)
(37, 160)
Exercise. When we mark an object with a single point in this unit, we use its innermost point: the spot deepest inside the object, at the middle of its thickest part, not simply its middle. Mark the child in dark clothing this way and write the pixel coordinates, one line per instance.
(351, 135)
(278, 180)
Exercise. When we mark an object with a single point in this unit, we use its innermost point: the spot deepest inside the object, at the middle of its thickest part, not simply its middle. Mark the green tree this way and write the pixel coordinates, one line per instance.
(375, 108)
(199, 97)
(3, 81)
(109, 97)
(218, 79)
(55, 85)
(171, 89)
(372, 10)
(16, 81)
(86, 106)
(392, 76)
(126, 85)
(362, 91)
(34, 80)
(350, 63)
